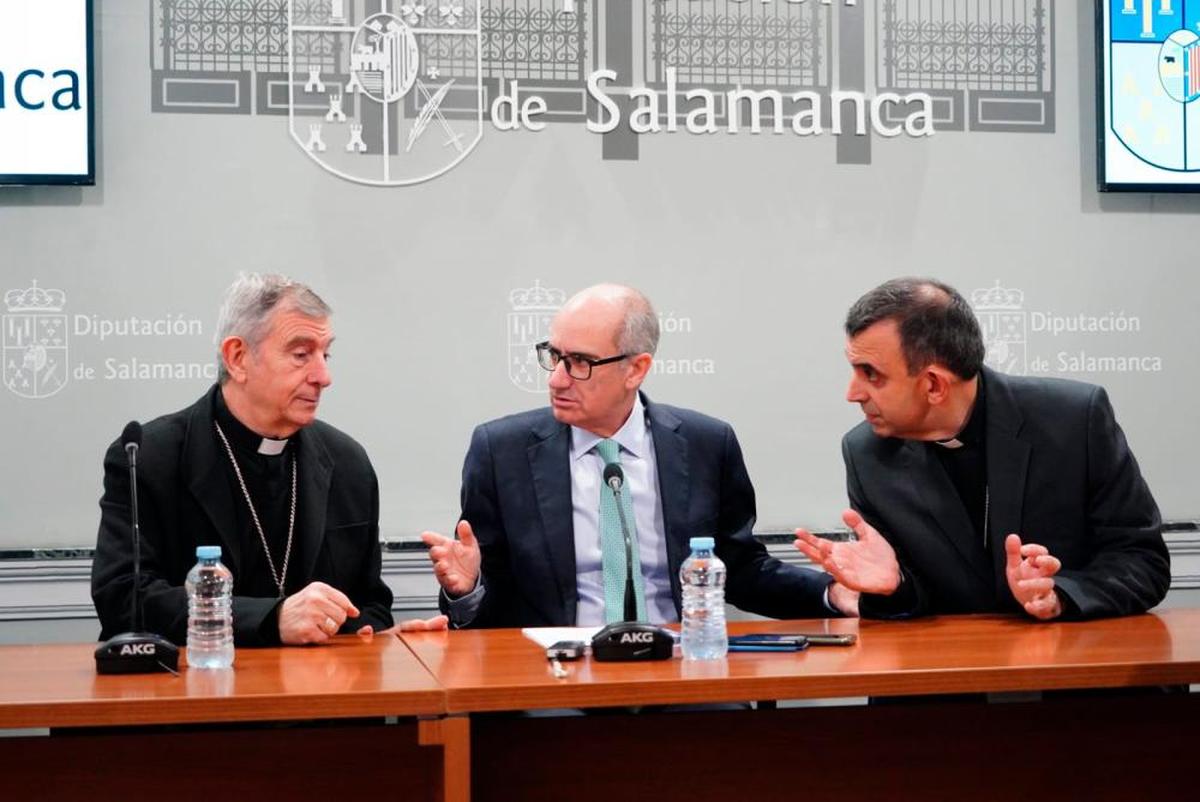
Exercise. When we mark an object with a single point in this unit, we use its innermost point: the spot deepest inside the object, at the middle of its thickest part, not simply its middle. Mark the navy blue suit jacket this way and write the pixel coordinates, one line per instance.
(516, 493)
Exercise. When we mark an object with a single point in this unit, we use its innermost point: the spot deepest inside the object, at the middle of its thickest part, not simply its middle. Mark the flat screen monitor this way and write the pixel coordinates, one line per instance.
(46, 94)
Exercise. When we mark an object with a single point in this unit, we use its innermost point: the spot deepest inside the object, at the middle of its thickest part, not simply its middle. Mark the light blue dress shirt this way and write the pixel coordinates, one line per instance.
(640, 466)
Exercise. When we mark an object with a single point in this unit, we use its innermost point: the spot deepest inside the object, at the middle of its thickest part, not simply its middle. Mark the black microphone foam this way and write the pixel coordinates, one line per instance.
(132, 436)
(614, 477)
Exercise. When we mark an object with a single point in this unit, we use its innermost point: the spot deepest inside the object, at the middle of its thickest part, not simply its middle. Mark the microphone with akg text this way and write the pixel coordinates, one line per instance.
(629, 639)
(135, 652)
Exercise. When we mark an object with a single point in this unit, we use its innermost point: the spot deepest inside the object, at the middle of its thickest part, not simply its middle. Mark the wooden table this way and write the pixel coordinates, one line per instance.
(109, 740)
(1097, 747)
(135, 735)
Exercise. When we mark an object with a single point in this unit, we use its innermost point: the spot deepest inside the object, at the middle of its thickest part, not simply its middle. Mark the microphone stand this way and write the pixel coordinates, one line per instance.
(629, 639)
(136, 652)
(135, 613)
(630, 596)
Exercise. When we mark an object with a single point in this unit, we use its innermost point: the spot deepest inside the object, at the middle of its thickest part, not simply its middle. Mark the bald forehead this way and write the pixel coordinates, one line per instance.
(588, 325)
(615, 295)
(596, 310)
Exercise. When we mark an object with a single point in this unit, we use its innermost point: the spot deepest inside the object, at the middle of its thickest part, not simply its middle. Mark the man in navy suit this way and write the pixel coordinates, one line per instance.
(535, 547)
(972, 491)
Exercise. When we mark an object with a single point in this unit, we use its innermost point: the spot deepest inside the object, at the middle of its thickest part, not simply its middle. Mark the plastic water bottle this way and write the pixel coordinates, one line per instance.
(210, 611)
(703, 578)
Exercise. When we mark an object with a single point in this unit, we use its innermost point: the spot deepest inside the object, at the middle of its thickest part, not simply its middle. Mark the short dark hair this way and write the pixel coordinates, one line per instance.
(936, 323)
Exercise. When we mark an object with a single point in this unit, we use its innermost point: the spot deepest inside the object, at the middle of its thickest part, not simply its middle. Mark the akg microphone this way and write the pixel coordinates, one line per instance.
(135, 652)
(629, 639)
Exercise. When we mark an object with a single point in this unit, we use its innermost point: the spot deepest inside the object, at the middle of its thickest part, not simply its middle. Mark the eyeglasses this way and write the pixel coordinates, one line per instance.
(578, 367)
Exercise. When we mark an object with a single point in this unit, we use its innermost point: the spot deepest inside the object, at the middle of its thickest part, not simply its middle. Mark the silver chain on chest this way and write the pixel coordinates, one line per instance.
(279, 576)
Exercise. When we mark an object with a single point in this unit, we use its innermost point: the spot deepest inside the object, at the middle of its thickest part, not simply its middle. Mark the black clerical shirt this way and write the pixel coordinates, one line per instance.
(967, 465)
(269, 482)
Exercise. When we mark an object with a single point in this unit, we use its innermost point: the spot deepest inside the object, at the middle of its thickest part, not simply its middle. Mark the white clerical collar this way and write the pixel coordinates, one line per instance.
(631, 436)
(271, 447)
(974, 416)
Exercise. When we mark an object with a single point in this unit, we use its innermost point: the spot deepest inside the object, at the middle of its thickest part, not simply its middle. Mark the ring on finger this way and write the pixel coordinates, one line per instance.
(330, 625)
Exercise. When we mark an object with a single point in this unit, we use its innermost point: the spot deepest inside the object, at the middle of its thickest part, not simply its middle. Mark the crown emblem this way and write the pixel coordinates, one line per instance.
(537, 298)
(996, 298)
(35, 299)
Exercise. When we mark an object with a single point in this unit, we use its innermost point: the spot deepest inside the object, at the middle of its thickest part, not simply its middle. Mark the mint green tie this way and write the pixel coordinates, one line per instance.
(612, 544)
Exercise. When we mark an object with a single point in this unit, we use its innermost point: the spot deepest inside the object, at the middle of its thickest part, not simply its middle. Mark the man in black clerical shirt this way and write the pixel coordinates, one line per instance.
(973, 491)
(292, 502)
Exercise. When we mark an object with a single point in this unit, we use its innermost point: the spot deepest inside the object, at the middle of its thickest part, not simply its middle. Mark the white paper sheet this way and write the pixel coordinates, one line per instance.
(547, 636)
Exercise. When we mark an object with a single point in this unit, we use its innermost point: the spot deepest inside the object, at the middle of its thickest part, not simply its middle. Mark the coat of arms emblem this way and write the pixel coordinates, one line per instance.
(1002, 323)
(35, 342)
(389, 98)
(528, 325)
(1153, 58)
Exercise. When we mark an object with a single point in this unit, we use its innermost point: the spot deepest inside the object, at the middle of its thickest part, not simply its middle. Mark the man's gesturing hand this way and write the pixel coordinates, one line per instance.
(867, 565)
(1030, 569)
(455, 562)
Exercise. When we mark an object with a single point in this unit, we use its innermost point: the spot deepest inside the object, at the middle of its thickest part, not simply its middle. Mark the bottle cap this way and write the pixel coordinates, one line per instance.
(701, 543)
(208, 552)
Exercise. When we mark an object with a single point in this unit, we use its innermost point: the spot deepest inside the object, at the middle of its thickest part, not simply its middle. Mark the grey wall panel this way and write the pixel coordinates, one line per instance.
(752, 246)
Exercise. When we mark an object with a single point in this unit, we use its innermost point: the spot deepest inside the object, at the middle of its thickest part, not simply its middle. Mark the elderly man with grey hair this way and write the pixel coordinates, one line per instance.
(292, 502)
(537, 541)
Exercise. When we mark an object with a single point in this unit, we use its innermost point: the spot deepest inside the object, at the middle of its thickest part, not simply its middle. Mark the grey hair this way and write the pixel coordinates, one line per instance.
(249, 303)
(639, 332)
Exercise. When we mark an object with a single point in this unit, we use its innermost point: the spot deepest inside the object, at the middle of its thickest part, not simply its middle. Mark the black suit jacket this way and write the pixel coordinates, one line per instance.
(185, 500)
(1059, 473)
(516, 493)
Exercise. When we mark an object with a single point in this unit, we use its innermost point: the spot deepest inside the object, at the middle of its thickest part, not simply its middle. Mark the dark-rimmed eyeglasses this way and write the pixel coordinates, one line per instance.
(578, 367)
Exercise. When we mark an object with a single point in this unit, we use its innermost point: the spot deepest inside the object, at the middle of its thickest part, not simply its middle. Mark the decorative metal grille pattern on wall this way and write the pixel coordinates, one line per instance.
(995, 56)
(530, 40)
(534, 40)
(226, 35)
(206, 54)
(726, 42)
(989, 64)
